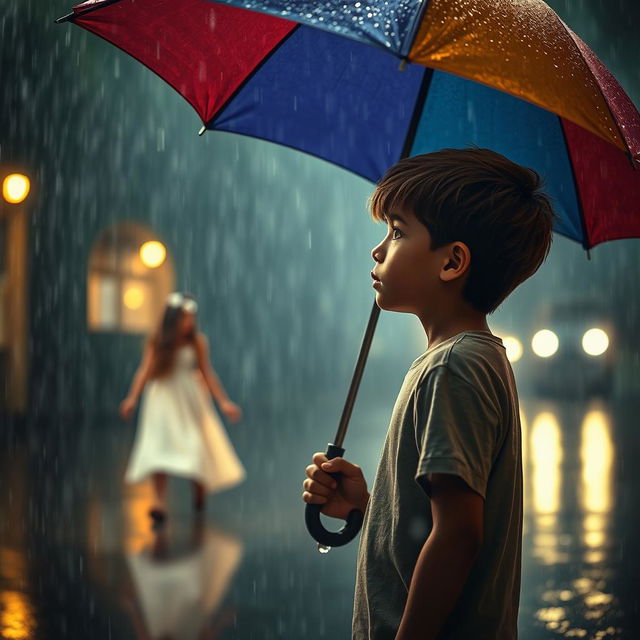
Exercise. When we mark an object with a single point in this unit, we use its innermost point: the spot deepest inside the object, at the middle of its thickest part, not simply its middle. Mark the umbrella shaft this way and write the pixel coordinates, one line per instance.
(357, 376)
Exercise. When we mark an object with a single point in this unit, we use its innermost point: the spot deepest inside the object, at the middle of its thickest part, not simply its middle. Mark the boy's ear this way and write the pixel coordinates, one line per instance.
(457, 261)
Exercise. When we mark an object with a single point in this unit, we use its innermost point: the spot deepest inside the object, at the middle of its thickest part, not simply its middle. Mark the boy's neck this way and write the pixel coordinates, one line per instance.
(441, 326)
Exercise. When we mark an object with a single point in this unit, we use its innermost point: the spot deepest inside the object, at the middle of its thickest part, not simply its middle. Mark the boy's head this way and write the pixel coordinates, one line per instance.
(466, 222)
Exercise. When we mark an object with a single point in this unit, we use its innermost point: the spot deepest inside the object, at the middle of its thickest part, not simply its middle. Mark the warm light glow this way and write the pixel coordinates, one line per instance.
(595, 342)
(546, 457)
(15, 188)
(153, 254)
(16, 616)
(133, 297)
(596, 455)
(545, 343)
(513, 347)
(136, 533)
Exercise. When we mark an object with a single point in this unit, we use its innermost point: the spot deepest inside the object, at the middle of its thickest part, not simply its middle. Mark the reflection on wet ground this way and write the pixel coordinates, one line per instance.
(78, 558)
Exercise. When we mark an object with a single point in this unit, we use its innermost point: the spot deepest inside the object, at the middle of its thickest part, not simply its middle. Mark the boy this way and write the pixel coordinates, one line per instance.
(440, 551)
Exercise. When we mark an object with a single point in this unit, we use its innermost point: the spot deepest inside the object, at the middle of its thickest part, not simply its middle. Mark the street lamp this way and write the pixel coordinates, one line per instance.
(15, 188)
(13, 294)
(153, 254)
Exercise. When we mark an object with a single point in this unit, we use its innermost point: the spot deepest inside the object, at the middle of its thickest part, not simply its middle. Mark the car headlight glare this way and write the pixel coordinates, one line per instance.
(595, 342)
(545, 343)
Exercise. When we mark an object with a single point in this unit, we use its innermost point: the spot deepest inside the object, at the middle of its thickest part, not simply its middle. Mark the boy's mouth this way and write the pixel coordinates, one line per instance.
(375, 279)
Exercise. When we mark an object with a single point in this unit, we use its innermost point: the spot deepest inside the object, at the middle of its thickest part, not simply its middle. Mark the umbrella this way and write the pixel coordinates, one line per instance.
(367, 83)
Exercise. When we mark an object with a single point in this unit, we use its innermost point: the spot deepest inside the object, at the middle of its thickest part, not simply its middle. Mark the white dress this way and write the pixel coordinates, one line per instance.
(180, 432)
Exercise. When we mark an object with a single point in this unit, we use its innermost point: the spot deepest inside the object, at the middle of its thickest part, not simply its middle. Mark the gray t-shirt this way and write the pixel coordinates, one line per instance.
(457, 412)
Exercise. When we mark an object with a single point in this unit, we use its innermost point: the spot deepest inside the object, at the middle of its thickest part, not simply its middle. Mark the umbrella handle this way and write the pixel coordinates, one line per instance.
(312, 515)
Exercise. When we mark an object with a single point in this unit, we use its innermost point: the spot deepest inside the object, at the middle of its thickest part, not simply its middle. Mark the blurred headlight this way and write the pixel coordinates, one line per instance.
(595, 342)
(545, 343)
(513, 347)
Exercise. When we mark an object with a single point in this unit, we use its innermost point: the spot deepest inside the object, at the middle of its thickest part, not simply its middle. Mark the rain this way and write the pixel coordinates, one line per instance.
(276, 247)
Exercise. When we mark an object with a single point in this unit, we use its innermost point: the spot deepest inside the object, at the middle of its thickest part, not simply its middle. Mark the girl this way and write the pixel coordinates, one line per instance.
(179, 431)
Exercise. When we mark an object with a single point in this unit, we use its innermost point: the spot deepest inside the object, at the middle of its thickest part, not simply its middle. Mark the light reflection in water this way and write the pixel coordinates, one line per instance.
(596, 455)
(16, 616)
(546, 481)
(546, 458)
(137, 504)
(577, 606)
(17, 613)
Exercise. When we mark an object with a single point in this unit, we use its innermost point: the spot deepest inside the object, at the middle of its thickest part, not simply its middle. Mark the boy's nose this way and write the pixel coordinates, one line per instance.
(377, 253)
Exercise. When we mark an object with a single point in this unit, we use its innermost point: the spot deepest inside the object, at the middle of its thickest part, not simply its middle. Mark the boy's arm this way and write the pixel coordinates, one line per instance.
(446, 558)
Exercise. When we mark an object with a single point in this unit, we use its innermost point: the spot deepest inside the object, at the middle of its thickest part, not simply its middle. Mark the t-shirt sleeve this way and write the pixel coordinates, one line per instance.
(456, 429)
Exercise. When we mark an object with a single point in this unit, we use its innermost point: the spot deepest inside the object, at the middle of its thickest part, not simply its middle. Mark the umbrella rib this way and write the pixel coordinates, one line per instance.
(614, 119)
(70, 16)
(585, 232)
(415, 27)
(243, 84)
(417, 112)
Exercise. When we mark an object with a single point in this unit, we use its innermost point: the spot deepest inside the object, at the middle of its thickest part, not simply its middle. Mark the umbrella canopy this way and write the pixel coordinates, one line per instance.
(325, 78)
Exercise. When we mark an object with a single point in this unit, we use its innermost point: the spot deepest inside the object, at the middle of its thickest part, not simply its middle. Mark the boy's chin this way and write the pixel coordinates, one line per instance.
(389, 305)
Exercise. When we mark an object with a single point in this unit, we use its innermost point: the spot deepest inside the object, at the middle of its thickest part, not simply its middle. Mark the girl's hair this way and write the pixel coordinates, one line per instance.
(164, 341)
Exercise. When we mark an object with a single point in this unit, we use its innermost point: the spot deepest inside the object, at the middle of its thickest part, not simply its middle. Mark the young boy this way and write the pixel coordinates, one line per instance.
(440, 551)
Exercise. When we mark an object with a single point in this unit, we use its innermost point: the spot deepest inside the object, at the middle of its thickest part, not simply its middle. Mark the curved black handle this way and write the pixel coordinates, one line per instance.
(315, 526)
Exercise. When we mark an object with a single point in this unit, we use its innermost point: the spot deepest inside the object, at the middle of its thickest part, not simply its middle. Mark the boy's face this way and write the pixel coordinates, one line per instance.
(407, 272)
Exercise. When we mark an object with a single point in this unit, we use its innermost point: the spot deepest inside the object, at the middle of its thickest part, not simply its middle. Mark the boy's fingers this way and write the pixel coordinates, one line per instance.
(315, 473)
(318, 458)
(313, 499)
(316, 488)
(342, 466)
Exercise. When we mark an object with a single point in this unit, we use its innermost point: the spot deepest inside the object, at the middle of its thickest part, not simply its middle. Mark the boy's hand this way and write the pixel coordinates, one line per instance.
(337, 499)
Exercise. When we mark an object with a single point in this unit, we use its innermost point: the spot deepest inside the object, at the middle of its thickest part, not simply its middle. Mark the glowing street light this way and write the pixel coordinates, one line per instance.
(15, 188)
(595, 342)
(152, 254)
(545, 343)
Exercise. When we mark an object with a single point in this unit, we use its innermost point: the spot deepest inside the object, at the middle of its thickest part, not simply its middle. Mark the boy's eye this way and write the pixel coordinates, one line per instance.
(397, 234)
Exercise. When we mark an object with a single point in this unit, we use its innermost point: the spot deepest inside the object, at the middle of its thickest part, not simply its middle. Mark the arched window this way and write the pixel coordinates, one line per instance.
(130, 275)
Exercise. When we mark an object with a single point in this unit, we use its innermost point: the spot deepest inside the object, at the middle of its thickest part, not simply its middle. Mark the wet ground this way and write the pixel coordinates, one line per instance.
(79, 560)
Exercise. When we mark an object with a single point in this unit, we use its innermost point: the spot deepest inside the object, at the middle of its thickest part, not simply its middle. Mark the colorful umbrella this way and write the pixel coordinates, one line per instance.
(324, 78)
(365, 83)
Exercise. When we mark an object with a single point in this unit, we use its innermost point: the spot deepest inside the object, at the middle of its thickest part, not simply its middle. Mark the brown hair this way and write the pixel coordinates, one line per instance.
(481, 198)
(164, 342)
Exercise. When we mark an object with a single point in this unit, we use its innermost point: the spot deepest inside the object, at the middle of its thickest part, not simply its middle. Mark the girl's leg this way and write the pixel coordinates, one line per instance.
(198, 495)
(160, 488)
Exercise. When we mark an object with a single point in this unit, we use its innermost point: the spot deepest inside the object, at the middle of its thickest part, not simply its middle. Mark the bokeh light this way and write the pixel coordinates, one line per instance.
(513, 347)
(595, 342)
(15, 188)
(153, 254)
(133, 297)
(545, 343)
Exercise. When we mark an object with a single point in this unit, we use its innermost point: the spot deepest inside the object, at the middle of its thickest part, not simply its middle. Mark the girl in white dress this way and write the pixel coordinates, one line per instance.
(179, 432)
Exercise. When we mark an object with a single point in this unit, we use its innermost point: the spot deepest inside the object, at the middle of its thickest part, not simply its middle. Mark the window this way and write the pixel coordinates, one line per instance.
(130, 275)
